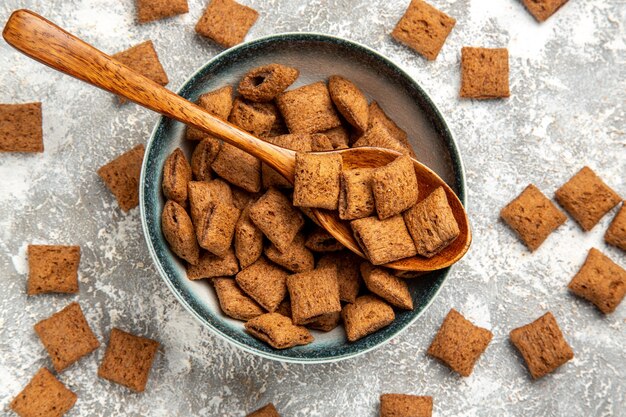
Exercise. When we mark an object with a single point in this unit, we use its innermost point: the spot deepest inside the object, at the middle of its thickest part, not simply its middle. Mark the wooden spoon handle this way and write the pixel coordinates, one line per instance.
(47, 43)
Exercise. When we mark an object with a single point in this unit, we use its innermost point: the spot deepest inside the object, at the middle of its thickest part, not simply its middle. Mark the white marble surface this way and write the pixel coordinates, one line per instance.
(566, 110)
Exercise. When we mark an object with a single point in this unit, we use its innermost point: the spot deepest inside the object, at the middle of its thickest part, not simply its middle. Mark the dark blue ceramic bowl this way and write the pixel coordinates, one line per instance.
(317, 57)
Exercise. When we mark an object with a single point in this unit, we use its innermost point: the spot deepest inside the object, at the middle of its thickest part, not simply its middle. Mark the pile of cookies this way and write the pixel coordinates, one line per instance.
(240, 224)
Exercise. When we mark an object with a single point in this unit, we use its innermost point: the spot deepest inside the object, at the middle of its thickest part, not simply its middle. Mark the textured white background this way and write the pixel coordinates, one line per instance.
(566, 110)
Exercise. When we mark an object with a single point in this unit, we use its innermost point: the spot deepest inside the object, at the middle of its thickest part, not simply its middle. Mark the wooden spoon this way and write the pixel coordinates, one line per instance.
(47, 43)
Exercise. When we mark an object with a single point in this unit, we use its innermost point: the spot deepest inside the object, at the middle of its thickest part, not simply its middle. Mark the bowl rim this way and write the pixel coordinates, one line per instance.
(452, 146)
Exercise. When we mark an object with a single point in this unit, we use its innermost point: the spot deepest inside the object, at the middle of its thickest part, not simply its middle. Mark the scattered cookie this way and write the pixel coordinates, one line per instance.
(308, 109)
(204, 194)
(226, 22)
(348, 273)
(217, 102)
(394, 187)
(313, 294)
(248, 240)
(350, 101)
(601, 281)
(484, 73)
(424, 29)
(267, 411)
(542, 345)
(319, 240)
(238, 168)
(388, 287)
(143, 58)
(317, 180)
(234, 302)
(121, 176)
(176, 176)
(378, 136)
(52, 269)
(277, 218)
(252, 117)
(128, 360)
(532, 216)
(431, 224)
(21, 128)
(216, 229)
(67, 337)
(356, 198)
(586, 198)
(366, 315)
(459, 343)
(211, 266)
(383, 241)
(266, 82)
(179, 232)
(404, 405)
(616, 233)
(296, 257)
(44, 396)
(543, 9)
(203, 156)
(278, 331)
(265, 282)
(150, 10)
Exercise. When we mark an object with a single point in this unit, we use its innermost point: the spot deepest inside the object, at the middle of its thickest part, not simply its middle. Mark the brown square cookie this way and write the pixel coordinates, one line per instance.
(234, 302)
(356, 198)
(21, 128)
(67, 337)
(202, 157)
(423, 28)
(265, 282)
(616, 233)
(52, 269)
(252, 117)
(390, 288)
(325, 323)
(217, 102)
(179, 232)
(543, 9)
(277, 218)
(211, 266)
(204, 194)
(542, 345)
(308, 109)
(248, 240)
(339, 137)
(459, 343)
(176, 177)
(264, 83)
(238, 168)
(378, 136)
(313, 294)
(394, 187)
(317, 180)
(378, 116)
(484, 73)
(301, 142)
(150, 10)
(243, 198)
(348, 273)
(601, 281)
(226, 22)
(216, 229)
(383, 241)
(431, 224)
(319, 240)
(366, 315)
(128, 360)
(143, 58)
(350, 101)
(586, 198)
(278, 331)
(296, 257)
(404, 405)
(121, 176)
(43, 396)
(266, 411)
(532, 216)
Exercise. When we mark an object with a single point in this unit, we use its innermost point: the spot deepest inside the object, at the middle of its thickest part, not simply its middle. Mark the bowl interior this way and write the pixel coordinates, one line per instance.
(317, 57)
